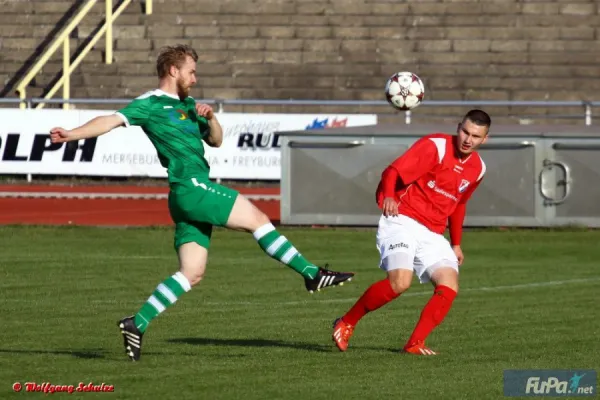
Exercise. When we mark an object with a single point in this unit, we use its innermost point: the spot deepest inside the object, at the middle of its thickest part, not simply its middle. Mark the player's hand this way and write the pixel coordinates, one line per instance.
(390, 207)
(59, 135)
(459, 254)
(204, 110)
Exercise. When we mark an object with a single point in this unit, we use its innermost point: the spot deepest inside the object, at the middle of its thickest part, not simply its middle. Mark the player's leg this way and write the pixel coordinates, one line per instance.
(192, 261)
(191, 241)
(245, 216)
(398, 280)
(397, 249)
(208, 202)
(441, 268)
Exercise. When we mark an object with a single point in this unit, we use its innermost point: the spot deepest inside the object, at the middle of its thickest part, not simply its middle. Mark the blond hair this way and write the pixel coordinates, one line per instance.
(173, 56)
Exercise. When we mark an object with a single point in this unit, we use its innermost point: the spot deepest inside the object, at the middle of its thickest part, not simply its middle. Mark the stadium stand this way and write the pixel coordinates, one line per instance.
(334, 49)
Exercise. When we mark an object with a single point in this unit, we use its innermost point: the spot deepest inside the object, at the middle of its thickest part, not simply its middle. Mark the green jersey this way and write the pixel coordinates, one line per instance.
(175, 130)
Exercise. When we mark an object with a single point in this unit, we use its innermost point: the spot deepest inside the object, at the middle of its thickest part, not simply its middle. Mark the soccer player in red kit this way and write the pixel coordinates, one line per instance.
(426, 187)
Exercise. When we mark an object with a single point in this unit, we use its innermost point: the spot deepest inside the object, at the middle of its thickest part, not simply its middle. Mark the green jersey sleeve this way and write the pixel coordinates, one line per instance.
(137, 112)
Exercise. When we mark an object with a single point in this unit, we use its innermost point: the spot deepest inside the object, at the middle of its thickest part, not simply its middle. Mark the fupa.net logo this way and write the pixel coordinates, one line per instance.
(551, 383)
(554, 385)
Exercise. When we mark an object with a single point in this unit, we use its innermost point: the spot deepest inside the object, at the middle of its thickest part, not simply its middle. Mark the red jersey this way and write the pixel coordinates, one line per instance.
(431, 183)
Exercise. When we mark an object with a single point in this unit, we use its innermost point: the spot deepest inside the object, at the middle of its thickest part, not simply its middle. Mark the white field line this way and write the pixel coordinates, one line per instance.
(353, 299)
(415, 294)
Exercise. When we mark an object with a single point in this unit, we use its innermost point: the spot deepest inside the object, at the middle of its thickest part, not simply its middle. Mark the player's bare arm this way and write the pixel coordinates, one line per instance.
(389, 207)
(215, 138)
(459, 253)
(455, 224)
(96, 127)
(456, 221)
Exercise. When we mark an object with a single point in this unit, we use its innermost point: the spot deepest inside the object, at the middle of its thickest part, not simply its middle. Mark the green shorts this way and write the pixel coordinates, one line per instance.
(195, 206)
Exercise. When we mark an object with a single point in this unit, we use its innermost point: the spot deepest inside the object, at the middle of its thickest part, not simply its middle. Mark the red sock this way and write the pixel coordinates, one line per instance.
(433, 314)
(377, 295)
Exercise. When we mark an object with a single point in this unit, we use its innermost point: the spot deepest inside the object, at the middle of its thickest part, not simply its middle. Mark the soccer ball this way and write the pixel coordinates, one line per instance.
(404, 91)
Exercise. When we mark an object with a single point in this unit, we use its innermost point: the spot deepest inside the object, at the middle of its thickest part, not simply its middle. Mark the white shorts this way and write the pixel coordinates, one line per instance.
(403, 243)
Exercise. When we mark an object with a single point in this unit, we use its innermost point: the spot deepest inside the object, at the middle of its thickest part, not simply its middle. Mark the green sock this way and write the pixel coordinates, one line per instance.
(165, 295)
(279, 248)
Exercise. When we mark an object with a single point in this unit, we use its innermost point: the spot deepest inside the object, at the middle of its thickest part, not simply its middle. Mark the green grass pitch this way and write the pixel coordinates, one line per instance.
(528, 300)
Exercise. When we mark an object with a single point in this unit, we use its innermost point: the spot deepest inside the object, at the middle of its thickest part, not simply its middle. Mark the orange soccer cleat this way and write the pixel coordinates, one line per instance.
(342, 332)
(419, 349)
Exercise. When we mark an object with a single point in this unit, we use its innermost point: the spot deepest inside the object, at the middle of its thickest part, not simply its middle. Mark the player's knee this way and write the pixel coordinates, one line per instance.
(446, 276)
(246, 216)
(400, 280)
(453, 286)
(449, 283)
(261, 218)
(399, 285)
(193, 276)
(194, 280)
(256, 220)
(399, 275)
(192, 261)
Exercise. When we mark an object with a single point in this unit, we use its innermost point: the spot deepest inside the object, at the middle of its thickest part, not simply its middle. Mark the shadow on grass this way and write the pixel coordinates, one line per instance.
(253, 343)
(319, 348)
(84, 354)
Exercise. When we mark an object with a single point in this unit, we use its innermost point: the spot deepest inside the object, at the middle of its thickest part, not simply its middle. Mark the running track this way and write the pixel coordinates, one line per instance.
(103, 205)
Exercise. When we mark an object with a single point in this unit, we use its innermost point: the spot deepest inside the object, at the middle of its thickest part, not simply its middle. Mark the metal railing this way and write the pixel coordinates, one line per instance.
(68, 66)
(586, 106)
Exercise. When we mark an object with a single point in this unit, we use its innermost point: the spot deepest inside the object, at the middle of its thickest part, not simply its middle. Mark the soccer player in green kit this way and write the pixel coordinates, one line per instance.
(177, 127)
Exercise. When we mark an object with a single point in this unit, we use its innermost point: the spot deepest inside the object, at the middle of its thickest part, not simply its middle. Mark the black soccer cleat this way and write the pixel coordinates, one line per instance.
(327, 278)
(132, 338)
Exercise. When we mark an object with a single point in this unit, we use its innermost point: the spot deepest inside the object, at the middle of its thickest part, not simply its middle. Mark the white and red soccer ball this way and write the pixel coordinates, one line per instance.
(404, 91)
